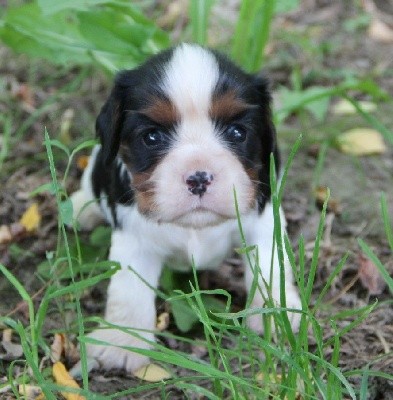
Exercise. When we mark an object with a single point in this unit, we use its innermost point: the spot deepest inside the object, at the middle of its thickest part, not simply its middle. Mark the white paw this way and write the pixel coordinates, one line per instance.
(85, 210)
(255, 321)
(110, 357)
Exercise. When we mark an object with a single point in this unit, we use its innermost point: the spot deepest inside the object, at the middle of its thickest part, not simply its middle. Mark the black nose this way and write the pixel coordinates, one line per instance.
(198, 182)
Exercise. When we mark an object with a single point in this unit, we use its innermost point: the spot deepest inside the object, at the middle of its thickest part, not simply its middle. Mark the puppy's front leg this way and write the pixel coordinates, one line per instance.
(130, 303)
(260, 233)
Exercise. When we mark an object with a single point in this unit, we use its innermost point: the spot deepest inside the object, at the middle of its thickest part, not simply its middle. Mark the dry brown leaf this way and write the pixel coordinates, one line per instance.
(175, 10)
(5, 234)
(13, 351)
(65, 126)
(30, 392)
(162, 321)
(62, 377)
(57, 347)
(152, 373)
(361, 141)
(333, 205)
(345, 107)
(369, 276)
(31, 218)
(82, 162)
(380, 31)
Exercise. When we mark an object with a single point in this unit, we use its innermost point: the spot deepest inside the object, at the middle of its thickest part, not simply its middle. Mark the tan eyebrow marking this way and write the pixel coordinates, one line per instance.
(161, 111)
(227, 106)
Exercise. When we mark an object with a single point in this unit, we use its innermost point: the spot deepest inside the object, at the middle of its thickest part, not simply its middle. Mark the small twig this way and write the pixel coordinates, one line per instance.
(385, 344)
(344, 289)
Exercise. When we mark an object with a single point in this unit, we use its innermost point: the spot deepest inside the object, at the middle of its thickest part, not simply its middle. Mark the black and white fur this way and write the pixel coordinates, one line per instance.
(178, 135)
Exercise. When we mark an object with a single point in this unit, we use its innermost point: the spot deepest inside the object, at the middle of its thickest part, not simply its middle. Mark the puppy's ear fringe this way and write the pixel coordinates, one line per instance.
(263, 86)
(110, 120)
(268, 140)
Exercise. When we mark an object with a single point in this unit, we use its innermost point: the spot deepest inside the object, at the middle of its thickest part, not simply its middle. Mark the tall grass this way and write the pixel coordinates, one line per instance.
(277, 365)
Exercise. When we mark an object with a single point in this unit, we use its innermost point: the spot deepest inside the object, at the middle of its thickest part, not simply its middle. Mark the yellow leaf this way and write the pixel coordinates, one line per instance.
(62, 377)
(5, 234)
(361, 141)
(31, 218)
(30, 392)
(162, 321)
(345, 107)
(57, 347)
(152, 373)
(82, 162)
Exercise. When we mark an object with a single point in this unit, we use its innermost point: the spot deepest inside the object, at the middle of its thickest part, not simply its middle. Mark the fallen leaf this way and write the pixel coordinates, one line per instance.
(5, 234)
(65, 126)
(17, 230)
(175, 10)
(162, 321)
(82, 162)
(333, 205)
(57, 347)
(23, 92)
(380, 31)
(369, 276)
(12, 350)
(30, 392)
(152, 373)
(31, 218)
(345, 107)
(62, 377)
(361, 141)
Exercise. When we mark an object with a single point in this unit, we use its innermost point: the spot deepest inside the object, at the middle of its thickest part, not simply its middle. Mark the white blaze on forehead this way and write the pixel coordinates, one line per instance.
(190, 78)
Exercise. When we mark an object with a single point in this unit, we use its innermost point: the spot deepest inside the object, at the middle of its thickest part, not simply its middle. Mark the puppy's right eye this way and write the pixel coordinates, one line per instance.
(153, 138)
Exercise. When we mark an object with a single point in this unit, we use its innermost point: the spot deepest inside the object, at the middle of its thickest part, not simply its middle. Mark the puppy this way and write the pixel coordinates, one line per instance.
(179, 136)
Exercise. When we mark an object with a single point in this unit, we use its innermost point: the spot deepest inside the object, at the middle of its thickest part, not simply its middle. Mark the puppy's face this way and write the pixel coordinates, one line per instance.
(191, 128)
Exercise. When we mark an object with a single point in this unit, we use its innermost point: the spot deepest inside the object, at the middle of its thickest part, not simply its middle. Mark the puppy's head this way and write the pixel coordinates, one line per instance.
(191, 127)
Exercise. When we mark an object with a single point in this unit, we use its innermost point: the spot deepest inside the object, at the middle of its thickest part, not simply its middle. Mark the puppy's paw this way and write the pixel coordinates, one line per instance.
(111, 357)
(255, 321)
(85, 211)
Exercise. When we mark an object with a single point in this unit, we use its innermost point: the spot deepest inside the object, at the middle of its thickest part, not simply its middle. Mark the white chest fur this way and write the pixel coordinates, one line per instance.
(176, 246)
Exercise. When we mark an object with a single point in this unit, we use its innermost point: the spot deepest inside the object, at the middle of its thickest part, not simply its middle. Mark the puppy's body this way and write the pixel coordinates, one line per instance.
(178, 136)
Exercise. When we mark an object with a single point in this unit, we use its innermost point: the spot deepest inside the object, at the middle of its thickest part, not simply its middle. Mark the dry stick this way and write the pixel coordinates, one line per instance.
(36, 294)
(344, 289)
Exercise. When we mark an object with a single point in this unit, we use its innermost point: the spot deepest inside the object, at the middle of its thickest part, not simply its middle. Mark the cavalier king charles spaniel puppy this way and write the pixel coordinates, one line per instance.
(180, 135)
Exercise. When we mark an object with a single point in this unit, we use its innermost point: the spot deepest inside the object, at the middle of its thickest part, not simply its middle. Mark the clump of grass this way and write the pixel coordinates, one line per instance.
(276, 365)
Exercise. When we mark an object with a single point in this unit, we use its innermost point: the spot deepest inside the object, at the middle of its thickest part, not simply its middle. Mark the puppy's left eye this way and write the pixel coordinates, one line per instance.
(153, 138)
(235, 134)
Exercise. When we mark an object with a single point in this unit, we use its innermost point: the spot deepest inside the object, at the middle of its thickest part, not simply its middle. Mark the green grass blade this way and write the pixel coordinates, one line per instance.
(199, 16)
(26, 297)
(315, 255)
(386, 220)
(252, 33)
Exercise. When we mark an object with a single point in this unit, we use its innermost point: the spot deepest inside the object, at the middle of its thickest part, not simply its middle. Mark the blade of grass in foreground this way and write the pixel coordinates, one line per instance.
(386, 221)
(252, 33)
(63, 232)
(26, 297)
(199, 17)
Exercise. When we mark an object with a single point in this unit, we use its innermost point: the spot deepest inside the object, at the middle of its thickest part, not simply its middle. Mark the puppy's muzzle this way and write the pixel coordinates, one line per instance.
(198, 182)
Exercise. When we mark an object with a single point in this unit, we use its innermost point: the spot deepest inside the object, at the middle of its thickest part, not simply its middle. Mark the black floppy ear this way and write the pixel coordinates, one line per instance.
(109, 122)
(108, 128)
(268, 139)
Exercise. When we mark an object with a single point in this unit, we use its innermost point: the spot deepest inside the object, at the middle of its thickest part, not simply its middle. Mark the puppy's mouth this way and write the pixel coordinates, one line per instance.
(198, 217)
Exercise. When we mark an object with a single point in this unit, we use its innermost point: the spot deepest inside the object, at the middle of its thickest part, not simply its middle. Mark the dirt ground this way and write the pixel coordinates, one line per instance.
(355, 182)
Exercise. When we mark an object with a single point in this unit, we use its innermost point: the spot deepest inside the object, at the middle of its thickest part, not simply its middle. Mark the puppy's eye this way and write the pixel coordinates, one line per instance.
(235, 134)
(153, 138)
